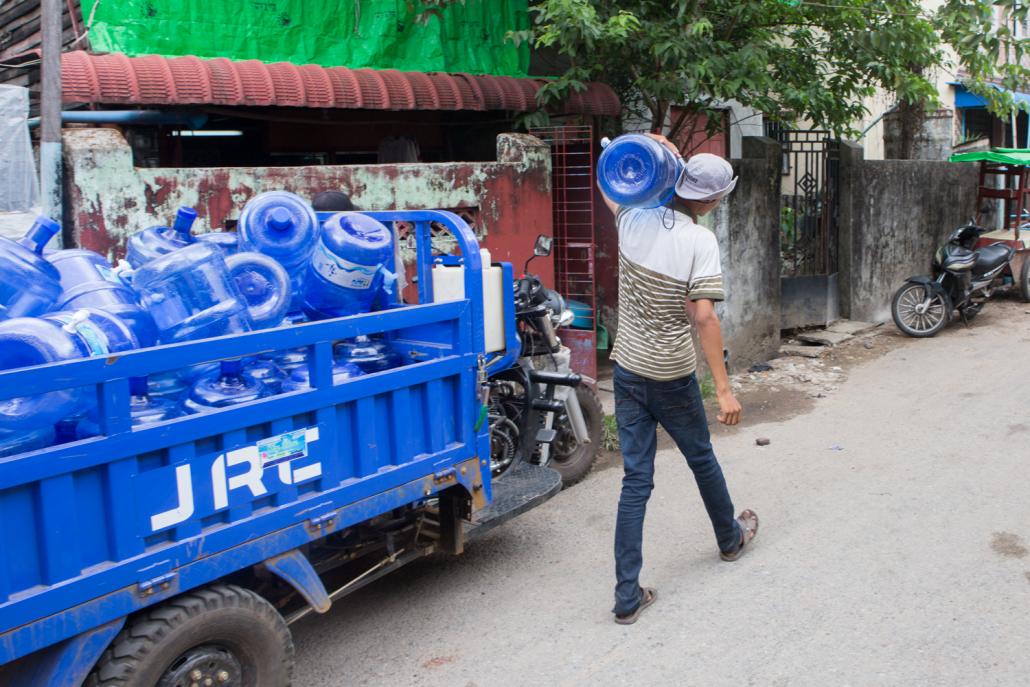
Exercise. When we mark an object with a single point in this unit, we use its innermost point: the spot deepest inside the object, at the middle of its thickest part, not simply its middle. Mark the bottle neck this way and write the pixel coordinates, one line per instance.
(39, 234)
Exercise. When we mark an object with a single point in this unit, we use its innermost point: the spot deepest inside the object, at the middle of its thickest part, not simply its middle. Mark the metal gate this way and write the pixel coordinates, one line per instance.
(808, 226)
(572, 198)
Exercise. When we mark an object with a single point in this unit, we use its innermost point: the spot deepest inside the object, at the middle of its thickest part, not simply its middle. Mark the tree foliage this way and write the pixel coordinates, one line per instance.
(790, 59)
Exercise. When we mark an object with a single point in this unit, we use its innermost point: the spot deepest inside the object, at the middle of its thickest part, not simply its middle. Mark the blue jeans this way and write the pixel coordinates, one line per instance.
(642, 404)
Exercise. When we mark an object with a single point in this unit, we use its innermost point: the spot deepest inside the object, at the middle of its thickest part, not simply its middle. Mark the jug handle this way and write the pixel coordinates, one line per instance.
(259, 311)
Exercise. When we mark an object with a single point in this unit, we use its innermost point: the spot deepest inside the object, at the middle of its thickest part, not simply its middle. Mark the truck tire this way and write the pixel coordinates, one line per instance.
(224, 633)
(573, 460)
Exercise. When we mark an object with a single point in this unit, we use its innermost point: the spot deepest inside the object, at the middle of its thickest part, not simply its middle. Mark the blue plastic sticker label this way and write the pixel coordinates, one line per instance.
(283, 448)
(341, 272)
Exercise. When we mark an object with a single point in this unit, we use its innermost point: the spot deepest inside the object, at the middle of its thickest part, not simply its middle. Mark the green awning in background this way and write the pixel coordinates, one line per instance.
(380, 34)
(1002, 156)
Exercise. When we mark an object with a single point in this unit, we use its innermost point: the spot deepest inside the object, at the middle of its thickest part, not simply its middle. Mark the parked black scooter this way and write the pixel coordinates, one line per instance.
(961, 281)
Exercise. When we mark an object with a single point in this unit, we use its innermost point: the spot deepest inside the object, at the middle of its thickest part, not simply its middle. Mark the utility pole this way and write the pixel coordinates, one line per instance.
(50, 109)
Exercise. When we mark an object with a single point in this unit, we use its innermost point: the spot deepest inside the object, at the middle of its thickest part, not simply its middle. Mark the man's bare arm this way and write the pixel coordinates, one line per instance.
(702, 312)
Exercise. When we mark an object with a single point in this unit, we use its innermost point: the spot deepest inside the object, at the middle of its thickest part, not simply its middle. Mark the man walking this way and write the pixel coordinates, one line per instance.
(669, 279)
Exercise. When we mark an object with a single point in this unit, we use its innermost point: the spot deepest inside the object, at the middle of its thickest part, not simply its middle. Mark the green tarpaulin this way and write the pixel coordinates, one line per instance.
(381, 34)
(1002, 156)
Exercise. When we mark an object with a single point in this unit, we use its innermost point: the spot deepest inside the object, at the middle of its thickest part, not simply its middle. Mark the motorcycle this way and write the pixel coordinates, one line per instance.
(539, 410)
(961, 281)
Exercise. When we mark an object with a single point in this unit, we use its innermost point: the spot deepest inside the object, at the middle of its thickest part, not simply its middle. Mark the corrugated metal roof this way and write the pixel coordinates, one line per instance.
(153, 80)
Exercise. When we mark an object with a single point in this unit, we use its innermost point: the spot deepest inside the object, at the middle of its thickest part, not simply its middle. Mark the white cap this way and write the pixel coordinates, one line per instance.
(705, 177)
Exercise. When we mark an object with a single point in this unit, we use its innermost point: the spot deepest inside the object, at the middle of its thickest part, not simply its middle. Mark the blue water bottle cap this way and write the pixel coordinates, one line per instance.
(138, 386)
(41, 231)
(280, 219)
(184, 219)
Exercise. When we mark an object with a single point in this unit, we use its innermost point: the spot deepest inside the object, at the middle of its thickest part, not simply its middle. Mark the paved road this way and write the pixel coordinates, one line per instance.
(901, 559)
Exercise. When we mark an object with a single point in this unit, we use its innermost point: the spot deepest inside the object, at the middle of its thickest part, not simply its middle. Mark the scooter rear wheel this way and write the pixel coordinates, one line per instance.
(918, 311)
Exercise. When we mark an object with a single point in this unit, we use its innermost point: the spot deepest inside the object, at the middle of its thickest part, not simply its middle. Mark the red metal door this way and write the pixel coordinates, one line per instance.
(572, 199)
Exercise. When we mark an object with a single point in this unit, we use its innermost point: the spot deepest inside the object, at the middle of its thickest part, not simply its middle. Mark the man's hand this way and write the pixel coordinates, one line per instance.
(666, 142)
(729, 408)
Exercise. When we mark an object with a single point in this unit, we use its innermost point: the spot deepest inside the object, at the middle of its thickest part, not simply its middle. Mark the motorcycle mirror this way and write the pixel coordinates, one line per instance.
(541, 249)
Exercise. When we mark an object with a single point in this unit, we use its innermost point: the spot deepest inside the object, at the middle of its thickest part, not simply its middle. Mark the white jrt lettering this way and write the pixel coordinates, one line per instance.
(251, 478)
(181, 513)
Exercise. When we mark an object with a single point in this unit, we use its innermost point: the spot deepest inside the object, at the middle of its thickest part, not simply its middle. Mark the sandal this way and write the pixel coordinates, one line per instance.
(647, 597)
(748, 521)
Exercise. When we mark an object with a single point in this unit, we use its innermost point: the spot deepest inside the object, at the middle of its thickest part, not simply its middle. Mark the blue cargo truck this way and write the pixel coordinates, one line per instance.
(178, 553)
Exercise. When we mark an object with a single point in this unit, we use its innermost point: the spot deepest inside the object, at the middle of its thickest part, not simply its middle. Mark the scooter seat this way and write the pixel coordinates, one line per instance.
(991, 257)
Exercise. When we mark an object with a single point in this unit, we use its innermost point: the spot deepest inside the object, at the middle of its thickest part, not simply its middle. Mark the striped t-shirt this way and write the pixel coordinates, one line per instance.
(664, 259)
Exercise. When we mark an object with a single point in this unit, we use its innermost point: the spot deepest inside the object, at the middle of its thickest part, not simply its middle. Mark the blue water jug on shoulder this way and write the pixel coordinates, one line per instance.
(637, 171)
(154, 242)
(29, 285)
(53, 338)
(191, 295)
(347, 267)
(229, 385)
(89, 281)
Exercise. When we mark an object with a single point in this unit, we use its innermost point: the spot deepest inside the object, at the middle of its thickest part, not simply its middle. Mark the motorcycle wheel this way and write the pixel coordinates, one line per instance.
(1024, 280)
(570, 458)
(913, 323)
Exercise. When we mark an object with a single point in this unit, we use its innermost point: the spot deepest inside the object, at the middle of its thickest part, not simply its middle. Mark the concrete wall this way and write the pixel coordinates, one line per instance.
(932, 142)
(893, 215)
(108, 199)
(747, 226)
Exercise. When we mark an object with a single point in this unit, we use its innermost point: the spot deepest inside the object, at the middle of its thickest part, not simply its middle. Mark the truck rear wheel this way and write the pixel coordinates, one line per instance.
(220, 636)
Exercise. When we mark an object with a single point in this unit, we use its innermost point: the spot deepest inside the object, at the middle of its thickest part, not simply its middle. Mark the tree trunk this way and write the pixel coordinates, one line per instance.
(911, 118)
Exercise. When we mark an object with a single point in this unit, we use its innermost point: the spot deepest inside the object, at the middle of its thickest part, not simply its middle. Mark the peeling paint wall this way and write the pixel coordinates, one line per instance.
(108, 199)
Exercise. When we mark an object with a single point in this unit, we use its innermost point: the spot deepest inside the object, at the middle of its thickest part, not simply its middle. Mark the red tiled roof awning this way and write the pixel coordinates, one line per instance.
(152, 80)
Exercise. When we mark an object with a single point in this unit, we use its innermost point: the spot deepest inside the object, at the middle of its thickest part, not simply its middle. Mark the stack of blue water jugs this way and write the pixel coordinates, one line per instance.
(281, 267)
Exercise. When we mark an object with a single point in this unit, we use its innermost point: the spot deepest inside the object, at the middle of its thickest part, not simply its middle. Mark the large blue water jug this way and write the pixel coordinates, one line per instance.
(300, 378)
(89, 281)
(265, 285)
(266, 371)
(29, 285)
(55, 337)
(371, 355)
(288, 360)
(17, 441)
(154, 242)
(143, 408)
(347, 267)
(191, 295)
(171, 385)
(228, 241)
(281, 225)
(230, 385)
(637, 171)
